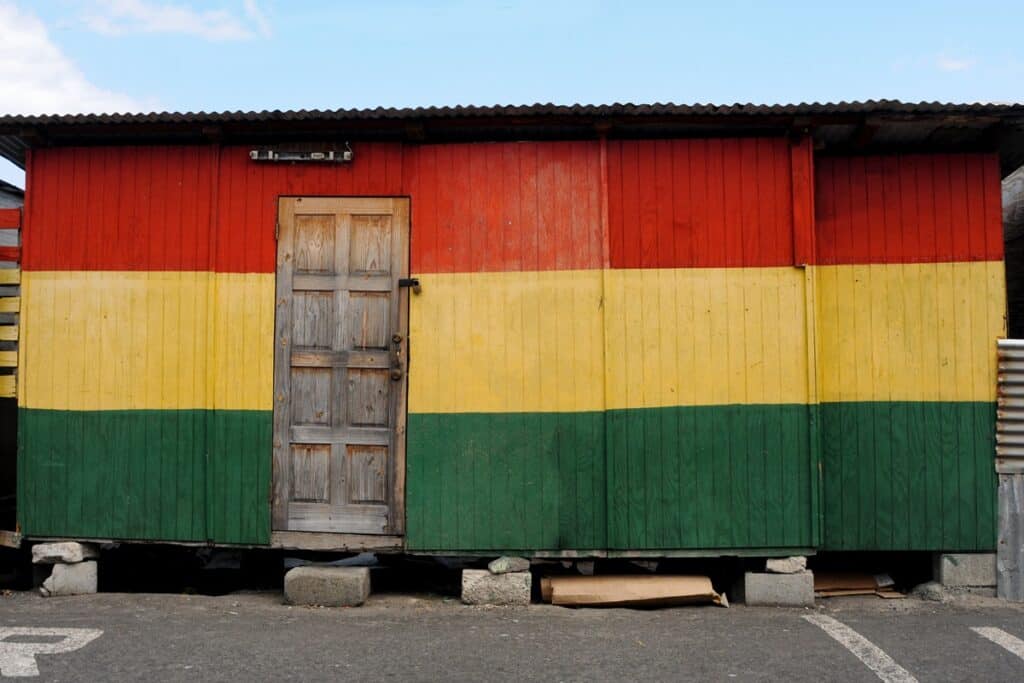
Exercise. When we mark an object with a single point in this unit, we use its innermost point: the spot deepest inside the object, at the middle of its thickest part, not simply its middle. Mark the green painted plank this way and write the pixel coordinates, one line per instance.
(744, 441)
(559, 504)
(139, 475)
(920, 476)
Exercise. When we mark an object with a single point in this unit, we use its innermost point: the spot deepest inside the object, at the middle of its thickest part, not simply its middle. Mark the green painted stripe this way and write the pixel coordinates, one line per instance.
(724, 477)
(909, 476)
(482, 482)
(174, 475)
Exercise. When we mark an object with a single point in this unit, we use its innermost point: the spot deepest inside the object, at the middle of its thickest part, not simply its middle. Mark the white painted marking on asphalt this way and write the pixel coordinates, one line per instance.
(863, 649)
(1002, 639)
(19, 658)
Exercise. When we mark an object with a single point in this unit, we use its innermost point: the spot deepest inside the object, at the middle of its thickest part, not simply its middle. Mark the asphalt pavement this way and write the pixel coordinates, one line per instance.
(252, 636)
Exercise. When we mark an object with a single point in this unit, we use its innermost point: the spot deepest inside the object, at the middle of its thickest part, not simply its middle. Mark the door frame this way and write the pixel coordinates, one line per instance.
(392, 536)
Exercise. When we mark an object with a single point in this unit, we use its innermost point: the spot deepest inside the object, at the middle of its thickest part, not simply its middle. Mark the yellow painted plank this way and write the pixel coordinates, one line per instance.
(8, 359)
(909, 332)
(526, 342)
(140, 340)
(706, 336)
(507, 342)
(10, 304)
(8, 386)
(8, 333)
(10, 276)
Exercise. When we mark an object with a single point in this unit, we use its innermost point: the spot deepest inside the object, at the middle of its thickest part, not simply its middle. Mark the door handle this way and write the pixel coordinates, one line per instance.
(397, 370)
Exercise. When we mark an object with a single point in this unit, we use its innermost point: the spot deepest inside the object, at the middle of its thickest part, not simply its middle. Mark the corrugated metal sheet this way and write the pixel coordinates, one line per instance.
(537, 109)
(1010, 413)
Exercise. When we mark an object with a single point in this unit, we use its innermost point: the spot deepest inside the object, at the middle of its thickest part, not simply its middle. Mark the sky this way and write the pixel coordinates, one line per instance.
(71, 56)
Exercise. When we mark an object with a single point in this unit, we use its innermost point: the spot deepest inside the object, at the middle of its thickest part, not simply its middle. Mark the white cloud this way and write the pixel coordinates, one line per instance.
(37, 78)
(122, 17)
(952, 64)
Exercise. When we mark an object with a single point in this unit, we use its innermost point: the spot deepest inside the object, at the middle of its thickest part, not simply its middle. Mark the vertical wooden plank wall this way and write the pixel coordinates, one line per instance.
(911, 299)
(506, 424)
(149, 293)
(708, 443)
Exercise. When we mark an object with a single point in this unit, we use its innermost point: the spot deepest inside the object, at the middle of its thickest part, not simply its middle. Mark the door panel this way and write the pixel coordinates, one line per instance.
(340, 382)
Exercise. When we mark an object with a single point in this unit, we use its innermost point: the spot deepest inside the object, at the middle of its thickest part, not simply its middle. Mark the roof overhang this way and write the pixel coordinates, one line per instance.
(843, 128)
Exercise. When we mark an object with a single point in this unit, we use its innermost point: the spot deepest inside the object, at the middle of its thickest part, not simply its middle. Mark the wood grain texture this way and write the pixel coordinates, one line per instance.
(908, 208)
(507, 342)
(137, 340)
(910, 332)
(142, 475)
(700, 203)
(521, 206)
(337, 426)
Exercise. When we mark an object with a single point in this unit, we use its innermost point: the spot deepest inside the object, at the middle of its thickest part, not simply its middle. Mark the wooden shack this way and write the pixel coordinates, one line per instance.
(580, 330)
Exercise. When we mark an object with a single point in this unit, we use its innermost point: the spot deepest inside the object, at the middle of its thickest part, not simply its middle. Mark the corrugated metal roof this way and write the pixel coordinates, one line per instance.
(874, 124)
(538, 109)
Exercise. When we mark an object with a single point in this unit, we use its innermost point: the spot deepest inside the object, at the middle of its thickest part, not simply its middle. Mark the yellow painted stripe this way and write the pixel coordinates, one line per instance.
(7, 386)
(708, 336)
(10, 276)
(8, 359)
(507, 342)
(147, 340)
(8, 333)
(9, 304)
(910, 332)
(534, 342)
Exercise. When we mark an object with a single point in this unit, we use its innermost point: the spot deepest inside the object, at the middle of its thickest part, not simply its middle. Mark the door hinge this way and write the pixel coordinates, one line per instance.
(277, 230)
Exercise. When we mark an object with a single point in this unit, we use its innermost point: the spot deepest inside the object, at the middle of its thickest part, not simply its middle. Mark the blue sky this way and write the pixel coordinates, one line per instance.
(270, 54)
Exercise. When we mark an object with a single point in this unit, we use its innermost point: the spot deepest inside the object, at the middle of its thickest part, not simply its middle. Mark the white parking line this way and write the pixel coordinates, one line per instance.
(863, 649)
(1001, 638)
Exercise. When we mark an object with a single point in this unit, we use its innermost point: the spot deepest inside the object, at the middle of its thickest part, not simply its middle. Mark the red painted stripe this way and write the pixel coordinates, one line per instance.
(10, 218)
(505, 206)
(908, 208)
(10, 253)
(700, 203)
(152, 208)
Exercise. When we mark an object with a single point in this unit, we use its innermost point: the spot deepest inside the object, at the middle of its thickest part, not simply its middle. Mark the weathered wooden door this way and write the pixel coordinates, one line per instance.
(339, 365)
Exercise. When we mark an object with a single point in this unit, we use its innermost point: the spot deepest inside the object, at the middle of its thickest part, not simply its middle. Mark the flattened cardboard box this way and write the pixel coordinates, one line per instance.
(629, 591)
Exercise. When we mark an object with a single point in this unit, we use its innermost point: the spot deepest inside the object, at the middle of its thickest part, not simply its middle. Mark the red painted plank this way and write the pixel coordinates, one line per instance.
(802, 170)
(10, 253)
(736, 210)
(909, 208)
(10, 218)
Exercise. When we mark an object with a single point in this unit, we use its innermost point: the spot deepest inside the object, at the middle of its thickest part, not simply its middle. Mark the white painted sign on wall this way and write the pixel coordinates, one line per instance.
(19, 646)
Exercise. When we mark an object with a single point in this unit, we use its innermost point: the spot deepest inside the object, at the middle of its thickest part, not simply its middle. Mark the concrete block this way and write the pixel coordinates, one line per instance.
(786, 565)
(504, 565)
(966, 569)
(327, 586)
(71, 579)
(481, 587)
(67, 552)
(783, 590)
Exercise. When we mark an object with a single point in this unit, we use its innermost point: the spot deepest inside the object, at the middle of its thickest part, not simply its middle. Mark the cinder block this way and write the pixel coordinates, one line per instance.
(67, 552)
(327, 586)
(786, 565)
(71, 579)
(966, 569)
(481, 587)
(781, 590)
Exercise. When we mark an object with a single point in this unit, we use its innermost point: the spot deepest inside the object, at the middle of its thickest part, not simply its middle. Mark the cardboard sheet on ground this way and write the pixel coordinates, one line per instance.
(836, 584)
(630, 591)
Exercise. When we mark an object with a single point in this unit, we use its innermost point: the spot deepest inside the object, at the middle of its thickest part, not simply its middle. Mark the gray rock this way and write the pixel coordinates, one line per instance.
(966, 569)
(327, 586)
(71, 579)
(932, 591)
(506, 564)
(783, 590)
(67, 552)
(481, 587)
(786, 565)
